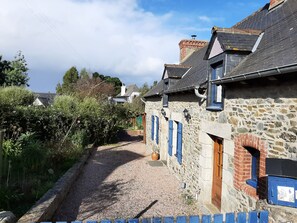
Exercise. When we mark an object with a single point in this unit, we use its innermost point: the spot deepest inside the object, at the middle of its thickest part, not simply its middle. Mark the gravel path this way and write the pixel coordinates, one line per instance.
(119, 182)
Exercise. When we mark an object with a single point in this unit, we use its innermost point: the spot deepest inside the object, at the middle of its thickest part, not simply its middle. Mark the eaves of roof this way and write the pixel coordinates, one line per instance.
(261, 73)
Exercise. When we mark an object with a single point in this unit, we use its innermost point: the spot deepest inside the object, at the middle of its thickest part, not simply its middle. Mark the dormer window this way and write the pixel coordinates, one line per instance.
(215, 96)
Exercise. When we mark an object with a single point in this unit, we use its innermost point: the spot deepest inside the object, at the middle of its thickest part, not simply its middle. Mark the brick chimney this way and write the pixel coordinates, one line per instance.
(274, 3)
(187, 47)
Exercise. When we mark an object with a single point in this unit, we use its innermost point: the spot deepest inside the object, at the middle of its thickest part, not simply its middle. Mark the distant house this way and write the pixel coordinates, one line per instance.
(44, 99)
(127, 94)
(229, 109)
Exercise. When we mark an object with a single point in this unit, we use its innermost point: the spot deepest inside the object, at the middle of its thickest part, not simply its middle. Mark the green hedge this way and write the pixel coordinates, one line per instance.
(41, 143)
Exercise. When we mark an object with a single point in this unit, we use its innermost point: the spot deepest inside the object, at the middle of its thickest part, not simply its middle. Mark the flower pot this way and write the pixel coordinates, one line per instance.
(155, 156)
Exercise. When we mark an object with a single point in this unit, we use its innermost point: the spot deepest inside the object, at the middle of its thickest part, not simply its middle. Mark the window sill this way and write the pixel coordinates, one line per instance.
(214, 108)
(252, 183)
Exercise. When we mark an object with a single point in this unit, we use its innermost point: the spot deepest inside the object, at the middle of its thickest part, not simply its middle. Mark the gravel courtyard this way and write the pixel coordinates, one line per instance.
(120, 181)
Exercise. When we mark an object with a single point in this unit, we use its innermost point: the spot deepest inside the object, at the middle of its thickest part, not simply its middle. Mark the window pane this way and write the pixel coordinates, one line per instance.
(219, 94)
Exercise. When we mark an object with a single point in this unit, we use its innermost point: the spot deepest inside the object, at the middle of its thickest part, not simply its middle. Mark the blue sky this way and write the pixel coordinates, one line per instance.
(130, 39)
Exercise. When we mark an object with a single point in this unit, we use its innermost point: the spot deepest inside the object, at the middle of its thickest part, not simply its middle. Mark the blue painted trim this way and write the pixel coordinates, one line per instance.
(218, 218)
(157, 130)
(206, 218)
(230, 218)
(252, 183)
(241, 217)
(181, 219)
(194, 219)
(133, 220)
(153, 128)
(264, 216)
(157, 220)
(179, 142)
(168, 220)
(170, 137)
(253, 217)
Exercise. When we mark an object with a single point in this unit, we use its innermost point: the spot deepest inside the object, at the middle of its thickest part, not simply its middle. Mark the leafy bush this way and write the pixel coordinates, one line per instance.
(89, 106)
(16, 96)
(33, 155)
(80, 139)
(11, 149)
(66, 104)
(40, 143)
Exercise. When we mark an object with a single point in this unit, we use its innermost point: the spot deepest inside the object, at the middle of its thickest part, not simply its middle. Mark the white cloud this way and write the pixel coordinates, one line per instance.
(113, 37)
(205, 18)
(209, 19)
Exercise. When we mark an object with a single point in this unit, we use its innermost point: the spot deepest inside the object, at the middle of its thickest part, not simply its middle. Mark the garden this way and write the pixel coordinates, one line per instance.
(39, 144)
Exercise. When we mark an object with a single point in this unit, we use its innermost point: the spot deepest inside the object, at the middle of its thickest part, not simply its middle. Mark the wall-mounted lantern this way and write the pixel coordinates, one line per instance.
(163, 112)
(187, 114)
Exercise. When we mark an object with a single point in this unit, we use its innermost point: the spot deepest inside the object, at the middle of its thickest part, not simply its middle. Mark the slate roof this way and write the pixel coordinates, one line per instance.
(156, 90)
(196, 76)
(240, 42)
(130, 90)
(175, 71)
(278, 47)
(45, 98)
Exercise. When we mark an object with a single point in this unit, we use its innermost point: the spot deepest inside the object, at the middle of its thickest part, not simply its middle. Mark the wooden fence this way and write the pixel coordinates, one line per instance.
(242, 217)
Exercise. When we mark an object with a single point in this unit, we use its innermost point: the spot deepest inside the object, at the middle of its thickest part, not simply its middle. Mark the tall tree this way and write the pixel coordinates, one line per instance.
(16, 74)
(93, 87)
(4, 65)
(116, 83)
(97, 75)
(69, 79)
(144, 89)
(84, 73)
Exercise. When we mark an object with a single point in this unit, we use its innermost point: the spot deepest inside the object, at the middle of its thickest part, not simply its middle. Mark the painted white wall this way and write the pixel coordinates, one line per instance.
(37, 102)
(132, 96)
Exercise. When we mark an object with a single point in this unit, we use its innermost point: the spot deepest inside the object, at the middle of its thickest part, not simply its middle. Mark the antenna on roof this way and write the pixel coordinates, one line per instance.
(193, 36)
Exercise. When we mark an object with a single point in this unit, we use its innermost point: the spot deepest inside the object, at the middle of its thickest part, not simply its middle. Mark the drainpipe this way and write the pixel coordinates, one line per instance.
(143, 100)
(198, 94)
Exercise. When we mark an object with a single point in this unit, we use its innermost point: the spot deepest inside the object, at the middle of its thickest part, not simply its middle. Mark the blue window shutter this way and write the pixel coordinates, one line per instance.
(153, 126)
(170, 136)
(157, 130)
(179, 142)
(254, 168)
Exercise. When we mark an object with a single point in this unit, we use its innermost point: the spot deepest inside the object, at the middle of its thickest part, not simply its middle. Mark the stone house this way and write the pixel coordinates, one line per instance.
(128, 93)
(230, 105)
(44, 99)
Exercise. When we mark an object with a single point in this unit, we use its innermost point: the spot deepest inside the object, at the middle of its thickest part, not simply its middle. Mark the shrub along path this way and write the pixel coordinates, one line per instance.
(119, 182)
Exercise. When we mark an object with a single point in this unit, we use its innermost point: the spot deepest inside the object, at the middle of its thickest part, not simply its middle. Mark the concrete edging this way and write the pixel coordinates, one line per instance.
(47, 205)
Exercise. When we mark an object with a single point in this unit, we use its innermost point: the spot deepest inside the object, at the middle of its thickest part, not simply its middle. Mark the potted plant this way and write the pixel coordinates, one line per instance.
(155, 153)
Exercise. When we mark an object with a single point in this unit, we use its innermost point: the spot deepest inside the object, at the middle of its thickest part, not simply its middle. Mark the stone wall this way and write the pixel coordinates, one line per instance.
(268, 112)
(189, 171)
(264, 114)
(153, 106)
